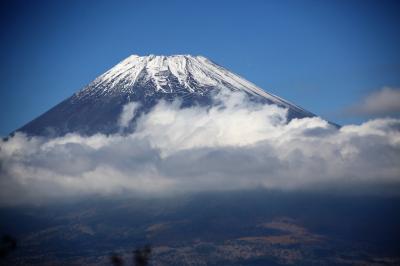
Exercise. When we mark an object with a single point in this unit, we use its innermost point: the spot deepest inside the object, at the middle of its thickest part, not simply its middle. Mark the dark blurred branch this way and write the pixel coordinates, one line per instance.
(116, 260)
(8, 244)
(142, 256)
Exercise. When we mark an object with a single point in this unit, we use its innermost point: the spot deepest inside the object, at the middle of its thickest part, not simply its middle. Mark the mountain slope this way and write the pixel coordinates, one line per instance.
(146, 79)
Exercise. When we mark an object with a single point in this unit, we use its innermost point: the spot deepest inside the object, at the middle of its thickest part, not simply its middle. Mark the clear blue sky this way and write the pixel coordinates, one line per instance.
(323, 55)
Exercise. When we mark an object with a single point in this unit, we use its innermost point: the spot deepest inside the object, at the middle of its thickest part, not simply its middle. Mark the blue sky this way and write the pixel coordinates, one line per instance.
(322, 55)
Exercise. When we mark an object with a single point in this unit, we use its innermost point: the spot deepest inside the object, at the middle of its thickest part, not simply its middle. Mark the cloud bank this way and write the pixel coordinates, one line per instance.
(385, 101)
(234, 145)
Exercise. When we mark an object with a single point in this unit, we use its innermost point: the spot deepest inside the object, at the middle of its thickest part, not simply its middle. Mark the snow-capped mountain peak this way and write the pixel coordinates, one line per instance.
(195, 74)
(146, 80)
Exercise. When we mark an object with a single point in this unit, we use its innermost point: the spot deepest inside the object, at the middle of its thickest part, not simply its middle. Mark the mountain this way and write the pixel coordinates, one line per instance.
(146, 79)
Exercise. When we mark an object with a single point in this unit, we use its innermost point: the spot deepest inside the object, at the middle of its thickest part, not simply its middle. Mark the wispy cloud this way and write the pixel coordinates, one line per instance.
(128, 113)
(235, 145)
(385, 101)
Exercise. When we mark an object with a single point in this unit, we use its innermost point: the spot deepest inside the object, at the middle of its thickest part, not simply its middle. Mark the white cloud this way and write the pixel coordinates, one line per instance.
(128, 113)
(385, 101)
(234, 145)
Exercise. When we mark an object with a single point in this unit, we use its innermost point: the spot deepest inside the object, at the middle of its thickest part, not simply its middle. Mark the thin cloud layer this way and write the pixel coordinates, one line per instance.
(234, 145)
(385, 101)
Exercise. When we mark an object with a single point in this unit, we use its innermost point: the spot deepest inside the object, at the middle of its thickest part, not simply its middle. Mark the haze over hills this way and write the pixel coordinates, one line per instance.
(146, 80)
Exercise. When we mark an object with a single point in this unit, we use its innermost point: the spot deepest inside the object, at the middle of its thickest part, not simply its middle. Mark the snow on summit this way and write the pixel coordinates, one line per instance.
(191, 72)
(145, 80)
